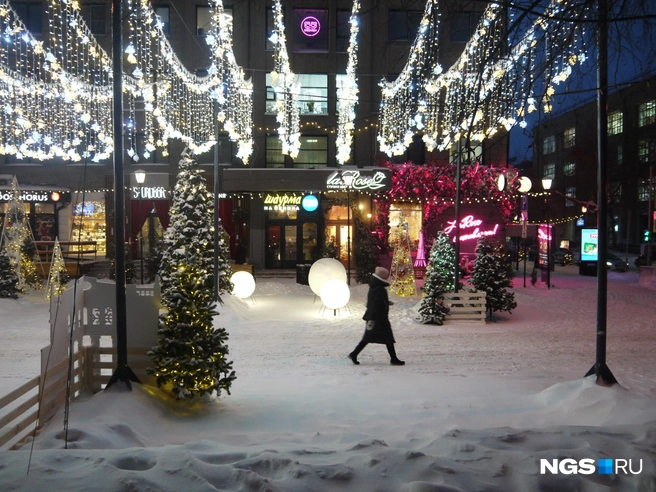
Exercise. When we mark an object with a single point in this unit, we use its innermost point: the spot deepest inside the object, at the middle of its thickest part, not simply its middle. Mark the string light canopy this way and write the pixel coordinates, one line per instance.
(56, 95)
(286, 88)
(347, 94)
(492, 85)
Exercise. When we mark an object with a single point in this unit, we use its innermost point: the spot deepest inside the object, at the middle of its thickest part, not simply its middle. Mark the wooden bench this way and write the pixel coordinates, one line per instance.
(242, 268)
(468, 307)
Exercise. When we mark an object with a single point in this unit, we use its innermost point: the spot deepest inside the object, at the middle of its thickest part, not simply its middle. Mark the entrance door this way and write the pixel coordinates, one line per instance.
(282, 248)
(340, 235)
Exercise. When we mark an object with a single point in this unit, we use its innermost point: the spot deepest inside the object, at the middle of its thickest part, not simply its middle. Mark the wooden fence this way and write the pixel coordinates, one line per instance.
(465, 306)
(89, 313)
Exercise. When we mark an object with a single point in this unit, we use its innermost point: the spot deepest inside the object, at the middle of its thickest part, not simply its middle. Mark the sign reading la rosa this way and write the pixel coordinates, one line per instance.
(339, 179)
(472, 229)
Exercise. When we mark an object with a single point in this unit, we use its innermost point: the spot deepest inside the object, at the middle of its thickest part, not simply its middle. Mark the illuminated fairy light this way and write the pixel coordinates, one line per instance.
(347, 95)
(232, 92)
(286, 88)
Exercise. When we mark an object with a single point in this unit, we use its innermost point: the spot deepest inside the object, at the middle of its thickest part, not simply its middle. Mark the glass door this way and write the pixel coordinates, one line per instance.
(273, 250)
(290, 246)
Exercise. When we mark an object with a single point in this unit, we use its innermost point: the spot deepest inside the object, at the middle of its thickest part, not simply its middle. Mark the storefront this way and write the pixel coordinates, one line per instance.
(43, 207)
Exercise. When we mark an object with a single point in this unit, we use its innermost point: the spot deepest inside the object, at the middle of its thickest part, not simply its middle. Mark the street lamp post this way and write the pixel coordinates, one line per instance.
(546, 184)
(524, 187)
(348, 179)
(140, 176)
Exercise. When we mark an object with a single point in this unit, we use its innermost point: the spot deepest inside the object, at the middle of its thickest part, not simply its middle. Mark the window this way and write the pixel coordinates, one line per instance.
(620, 155)
(569, 138)
(615, 123)
(203, 20)
(646, 151)
(274, 155)
(30, 14)
(310, 30)
(569, 168)
(313, 96)
(164, 16)
(643, 190)
(570, 192)
(343, 31)
(270, 27)
(549, 145)
(94, 16)
(402, 213)
(647, 113)
(549, 170)
(313, 152)
(463, 25)
(402, 25)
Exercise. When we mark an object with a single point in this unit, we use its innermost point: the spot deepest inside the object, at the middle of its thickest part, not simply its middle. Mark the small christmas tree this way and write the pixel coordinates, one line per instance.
(491, 273)
(58, 277)
(365, 250)
(402, 273)
(190, 353)
(8, 278)
(439, 278)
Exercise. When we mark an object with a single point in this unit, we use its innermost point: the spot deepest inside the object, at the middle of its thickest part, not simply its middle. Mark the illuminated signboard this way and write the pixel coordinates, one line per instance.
(310, 203)
(310, 26)
(281, 202)
(544, 236)
(29, 196)
(359, 181)
(150, 192)
(471, 229)
(589, 244)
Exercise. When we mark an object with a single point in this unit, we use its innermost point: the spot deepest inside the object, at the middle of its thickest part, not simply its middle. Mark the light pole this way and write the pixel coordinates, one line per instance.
(524, 187)
(348, 179)
(140, 176)
(546, 184)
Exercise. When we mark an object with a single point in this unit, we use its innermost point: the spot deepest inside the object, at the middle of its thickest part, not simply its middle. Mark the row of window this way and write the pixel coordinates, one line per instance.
(642, 190)
(646, 116)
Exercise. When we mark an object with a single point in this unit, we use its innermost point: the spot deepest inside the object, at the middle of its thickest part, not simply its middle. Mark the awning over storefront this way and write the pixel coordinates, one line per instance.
(369, 179)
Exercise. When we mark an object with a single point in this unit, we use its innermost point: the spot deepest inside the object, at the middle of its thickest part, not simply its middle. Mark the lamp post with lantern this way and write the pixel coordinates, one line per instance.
(140, 177)
(546, 184)
(524, 187)
(348, 180)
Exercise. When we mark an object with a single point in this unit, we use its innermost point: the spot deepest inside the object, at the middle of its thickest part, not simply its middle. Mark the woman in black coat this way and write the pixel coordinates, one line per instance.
(378, 327)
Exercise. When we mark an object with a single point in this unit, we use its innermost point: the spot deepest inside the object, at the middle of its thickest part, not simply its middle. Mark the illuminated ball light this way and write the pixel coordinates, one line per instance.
(324, 270)
(335, 294)
(244, 284)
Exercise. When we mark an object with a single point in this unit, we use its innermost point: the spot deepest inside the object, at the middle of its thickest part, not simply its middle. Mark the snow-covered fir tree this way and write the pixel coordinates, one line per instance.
(8, 278)
(438, 279)
(190, 354)
(491, 273)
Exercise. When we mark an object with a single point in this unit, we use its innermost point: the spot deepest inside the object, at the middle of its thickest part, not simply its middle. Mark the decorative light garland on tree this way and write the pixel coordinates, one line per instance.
(347, 95)
(286, 88)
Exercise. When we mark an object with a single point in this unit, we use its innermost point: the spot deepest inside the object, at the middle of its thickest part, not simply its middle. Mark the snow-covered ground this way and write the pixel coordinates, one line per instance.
(475, 408)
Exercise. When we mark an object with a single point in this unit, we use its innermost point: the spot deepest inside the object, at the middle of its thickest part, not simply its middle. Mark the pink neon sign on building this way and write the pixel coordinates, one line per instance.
(310, 26)
(467, 224)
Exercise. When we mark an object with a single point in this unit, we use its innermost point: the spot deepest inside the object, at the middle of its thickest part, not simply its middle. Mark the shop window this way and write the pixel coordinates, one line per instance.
(164, 17)
(549, 145)
(313, 152)
(310, 30)
(310, 244)
(95, 17)
(31, 15)
(647, 113)
(569, 138)
(402, 25)
(399, 215)
(343, 33)
(615, 123)
(462, 26)
(89, 224)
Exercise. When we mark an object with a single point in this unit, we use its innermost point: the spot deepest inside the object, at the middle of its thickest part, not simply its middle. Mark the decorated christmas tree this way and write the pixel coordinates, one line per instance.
(491, 273)
(8, 278)
(191, 353)
(439, 278)
(58, 277)
(402, 273)
(365, 250)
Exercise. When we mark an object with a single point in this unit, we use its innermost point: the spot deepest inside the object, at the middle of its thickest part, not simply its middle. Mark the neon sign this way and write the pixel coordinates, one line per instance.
(310, 203)
(282, 200)
(469, 222)
(150, 192)
(310, 26)
(336, 181)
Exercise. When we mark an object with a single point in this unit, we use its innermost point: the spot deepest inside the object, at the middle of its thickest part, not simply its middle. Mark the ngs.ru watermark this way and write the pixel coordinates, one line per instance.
(588, 466)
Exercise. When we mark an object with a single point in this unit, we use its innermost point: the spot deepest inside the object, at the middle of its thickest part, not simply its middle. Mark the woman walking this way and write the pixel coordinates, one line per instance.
(378, 327)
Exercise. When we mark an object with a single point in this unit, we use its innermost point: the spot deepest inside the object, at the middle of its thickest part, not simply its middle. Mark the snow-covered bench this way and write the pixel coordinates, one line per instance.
(465, 306)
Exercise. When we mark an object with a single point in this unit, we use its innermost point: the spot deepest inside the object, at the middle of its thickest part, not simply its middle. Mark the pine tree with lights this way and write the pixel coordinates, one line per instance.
(58, 277)
(402, 272)
(491, 273)
(191, 353)
(439, 278)
(8, 278)
(365, 250)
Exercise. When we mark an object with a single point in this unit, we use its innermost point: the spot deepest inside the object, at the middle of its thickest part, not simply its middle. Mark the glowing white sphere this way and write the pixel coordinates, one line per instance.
(524, 184)
(335, 294)
(323, 270)
(244, 284)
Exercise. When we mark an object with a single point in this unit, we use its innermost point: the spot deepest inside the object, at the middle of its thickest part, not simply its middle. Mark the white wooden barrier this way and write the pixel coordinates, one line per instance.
(466, 307)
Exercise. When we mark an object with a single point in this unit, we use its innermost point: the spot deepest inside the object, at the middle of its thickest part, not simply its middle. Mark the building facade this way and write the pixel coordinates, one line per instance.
(261, 205)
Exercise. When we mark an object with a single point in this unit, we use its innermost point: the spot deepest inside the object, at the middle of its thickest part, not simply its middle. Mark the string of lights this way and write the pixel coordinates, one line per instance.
(347, 94)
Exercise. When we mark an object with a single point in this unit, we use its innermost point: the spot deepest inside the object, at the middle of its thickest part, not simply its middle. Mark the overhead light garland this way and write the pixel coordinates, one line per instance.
(347, 94)
(286, 88)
